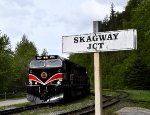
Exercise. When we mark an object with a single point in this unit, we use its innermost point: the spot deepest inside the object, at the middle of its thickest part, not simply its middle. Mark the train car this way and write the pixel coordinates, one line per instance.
(53, 78)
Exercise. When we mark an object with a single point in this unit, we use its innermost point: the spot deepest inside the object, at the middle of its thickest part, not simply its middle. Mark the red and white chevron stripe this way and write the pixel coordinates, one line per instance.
(57, 76)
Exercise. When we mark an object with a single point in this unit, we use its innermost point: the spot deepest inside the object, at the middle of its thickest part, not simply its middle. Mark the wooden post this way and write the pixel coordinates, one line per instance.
(97, 75)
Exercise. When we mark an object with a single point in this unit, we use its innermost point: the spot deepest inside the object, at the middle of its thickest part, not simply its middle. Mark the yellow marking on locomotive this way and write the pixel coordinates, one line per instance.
(44, 75)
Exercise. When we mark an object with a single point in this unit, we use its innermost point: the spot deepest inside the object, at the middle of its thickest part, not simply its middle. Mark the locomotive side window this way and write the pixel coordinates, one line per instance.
(37, 63)
(54, 63)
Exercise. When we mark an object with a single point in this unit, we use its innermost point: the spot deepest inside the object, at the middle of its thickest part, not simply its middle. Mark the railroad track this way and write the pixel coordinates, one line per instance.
(21, 109)
(137, 101)
(106, 103)
(109, 100)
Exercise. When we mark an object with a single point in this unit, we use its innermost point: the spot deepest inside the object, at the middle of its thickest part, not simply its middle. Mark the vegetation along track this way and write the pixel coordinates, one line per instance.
(109, 100)
(25, 108)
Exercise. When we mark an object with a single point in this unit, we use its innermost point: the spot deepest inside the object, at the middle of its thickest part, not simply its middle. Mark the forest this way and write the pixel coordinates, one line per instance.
(120, 69)
(124, 69)
(14, 65)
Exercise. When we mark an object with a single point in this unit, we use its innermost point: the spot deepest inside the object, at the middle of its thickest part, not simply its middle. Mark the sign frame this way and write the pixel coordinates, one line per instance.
(113, 38)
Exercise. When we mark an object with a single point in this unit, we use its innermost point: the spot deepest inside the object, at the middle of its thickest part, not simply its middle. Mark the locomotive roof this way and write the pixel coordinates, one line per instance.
(54, 57)
(48, 57)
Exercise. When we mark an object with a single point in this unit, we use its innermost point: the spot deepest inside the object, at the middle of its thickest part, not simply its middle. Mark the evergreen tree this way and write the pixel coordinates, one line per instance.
(118, 67)
(5, 44)
(6, 63)
(44, 53)
(24, 52)
(138, 75)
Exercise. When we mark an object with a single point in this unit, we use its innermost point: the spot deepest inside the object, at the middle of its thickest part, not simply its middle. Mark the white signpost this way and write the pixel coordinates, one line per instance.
(99, 42)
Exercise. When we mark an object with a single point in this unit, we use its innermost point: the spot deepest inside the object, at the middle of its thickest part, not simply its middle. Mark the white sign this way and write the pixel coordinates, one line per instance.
(100, 41)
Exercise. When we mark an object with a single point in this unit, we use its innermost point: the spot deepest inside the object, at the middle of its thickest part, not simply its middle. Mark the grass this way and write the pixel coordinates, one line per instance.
(110, 92)
(15, 96)
(15, 105)
(133, 94)
(143, 95)
(111, 110)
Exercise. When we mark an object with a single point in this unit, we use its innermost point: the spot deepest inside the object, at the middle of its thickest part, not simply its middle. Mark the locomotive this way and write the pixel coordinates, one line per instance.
(53, 78)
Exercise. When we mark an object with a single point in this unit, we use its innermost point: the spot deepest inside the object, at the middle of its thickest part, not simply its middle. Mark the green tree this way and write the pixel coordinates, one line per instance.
(132, 4)
(138, 75)
(139, 19)
(6, 63)
(5, 44)
(45, 52)
(136, 15)
(24, 52)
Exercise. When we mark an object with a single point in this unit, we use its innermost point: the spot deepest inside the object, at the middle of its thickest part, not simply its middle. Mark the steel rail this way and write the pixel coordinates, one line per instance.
(91, 109)
(21, 109)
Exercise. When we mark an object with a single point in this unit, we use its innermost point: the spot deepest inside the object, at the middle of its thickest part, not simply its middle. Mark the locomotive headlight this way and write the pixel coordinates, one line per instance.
(30, 82)
(45, 57)
(59, 82)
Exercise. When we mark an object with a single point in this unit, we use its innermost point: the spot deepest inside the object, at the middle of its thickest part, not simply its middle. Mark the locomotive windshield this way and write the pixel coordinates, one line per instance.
(37, 63)
(54, 63)
(46, 63)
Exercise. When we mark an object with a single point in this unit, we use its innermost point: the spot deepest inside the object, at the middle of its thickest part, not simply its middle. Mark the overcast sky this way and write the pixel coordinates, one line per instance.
(44, 22)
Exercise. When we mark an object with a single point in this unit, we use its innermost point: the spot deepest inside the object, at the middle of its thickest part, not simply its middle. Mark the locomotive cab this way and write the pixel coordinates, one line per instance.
(45, 79)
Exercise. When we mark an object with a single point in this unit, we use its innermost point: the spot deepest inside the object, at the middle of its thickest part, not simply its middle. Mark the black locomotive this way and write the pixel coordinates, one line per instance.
(53, 78)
